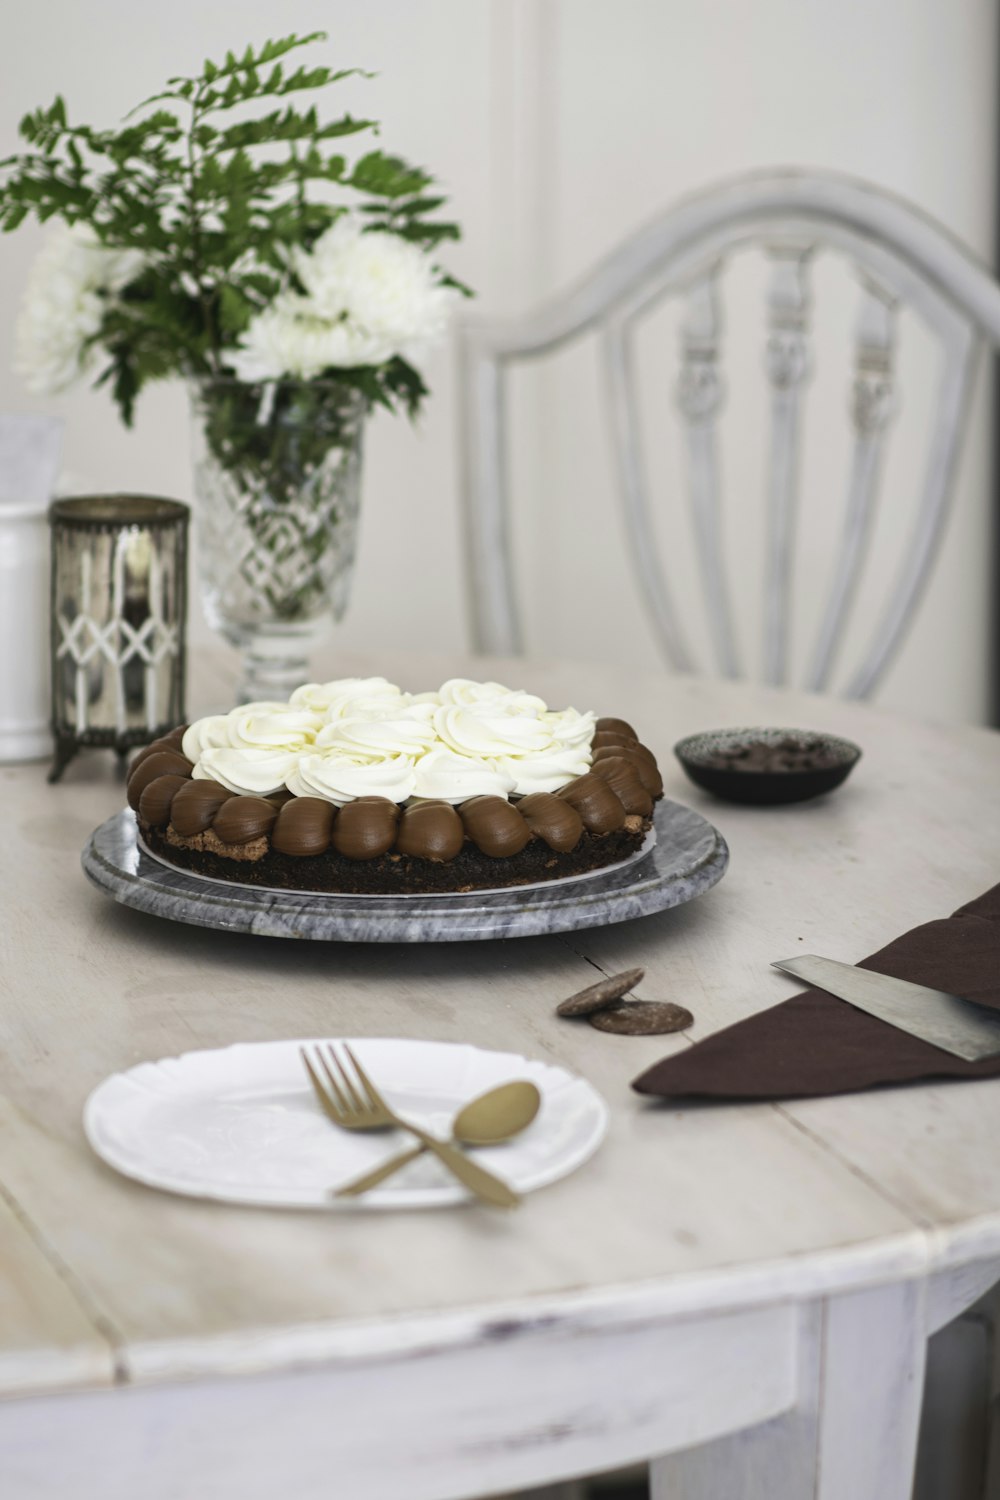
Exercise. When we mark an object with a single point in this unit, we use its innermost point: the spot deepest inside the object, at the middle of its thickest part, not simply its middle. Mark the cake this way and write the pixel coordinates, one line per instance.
(356, 786)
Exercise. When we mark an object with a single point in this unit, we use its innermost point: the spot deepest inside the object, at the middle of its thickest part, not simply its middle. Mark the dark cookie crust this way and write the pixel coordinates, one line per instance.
(402, 874)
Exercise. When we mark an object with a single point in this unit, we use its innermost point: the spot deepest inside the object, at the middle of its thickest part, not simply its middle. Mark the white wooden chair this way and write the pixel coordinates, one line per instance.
(901, 257)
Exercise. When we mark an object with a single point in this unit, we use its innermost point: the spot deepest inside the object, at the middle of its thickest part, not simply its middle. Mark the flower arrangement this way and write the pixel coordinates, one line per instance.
(220, 234)
(193, 241)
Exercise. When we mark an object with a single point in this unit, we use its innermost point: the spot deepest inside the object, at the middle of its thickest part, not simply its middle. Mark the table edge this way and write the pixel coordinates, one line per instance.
(907, 1255)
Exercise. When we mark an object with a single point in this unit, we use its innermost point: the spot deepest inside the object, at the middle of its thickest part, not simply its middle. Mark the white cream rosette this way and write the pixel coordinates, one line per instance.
(538, 753)
(489, 731)
(423, 707)
(347, 696)
(402, 734)
(267, 726)
(447, 777)
(315, 696)
(547, 771)
(251, 772)
(372, 708)
(252, 749)
(340, 776)
(212, 732)
(462, 692)
(570, 728)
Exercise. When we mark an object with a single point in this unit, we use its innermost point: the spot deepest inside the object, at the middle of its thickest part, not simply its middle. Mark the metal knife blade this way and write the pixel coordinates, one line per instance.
(958, 1026)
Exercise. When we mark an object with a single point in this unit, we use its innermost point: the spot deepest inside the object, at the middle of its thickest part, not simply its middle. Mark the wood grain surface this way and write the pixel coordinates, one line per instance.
(683, 1211)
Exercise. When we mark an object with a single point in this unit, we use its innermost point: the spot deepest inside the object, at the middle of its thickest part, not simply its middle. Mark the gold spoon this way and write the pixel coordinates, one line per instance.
(494, 1117)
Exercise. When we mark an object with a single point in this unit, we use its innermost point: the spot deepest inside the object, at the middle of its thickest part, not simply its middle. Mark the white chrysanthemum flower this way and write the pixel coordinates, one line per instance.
(368, 297)
(64, 303)
(288, 339)
(387, 288)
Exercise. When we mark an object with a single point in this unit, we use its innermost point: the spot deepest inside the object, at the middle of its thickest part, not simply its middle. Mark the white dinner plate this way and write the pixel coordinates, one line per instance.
(648, 843)
(241, 1124)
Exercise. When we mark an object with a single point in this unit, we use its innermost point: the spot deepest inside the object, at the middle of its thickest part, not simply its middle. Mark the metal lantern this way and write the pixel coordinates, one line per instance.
(118, 613)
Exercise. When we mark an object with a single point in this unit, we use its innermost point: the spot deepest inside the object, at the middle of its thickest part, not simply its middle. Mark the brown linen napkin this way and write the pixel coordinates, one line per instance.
(815, 1044)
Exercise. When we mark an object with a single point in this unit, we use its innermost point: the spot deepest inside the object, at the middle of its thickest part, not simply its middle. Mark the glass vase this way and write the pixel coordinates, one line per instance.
(277, 471)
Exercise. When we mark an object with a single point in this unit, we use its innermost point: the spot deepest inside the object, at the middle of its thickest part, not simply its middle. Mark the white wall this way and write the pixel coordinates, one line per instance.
(558, 126)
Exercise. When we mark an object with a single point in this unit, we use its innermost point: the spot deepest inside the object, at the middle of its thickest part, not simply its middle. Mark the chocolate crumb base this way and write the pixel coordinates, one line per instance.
(402, 874)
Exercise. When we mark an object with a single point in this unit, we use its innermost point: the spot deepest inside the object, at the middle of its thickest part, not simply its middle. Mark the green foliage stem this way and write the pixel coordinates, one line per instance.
(211, 179)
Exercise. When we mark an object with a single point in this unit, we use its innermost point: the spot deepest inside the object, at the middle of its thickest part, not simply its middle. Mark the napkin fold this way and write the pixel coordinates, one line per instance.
(815, 1044)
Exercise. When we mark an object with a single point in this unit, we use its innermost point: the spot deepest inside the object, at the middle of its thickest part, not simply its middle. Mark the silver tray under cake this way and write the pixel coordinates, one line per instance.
(688, 858)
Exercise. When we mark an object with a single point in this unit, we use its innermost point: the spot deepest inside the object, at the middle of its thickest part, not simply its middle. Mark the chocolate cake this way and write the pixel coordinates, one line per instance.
(355, 786)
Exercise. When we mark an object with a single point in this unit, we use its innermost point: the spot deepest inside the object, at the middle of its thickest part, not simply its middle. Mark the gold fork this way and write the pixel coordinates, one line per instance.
(350, 1099)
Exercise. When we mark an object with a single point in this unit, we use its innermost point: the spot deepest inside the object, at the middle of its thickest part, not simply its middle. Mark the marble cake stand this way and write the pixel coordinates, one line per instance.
(687, 859)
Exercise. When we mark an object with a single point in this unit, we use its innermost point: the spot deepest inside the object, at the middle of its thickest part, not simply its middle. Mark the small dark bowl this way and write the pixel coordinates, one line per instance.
(759, 786)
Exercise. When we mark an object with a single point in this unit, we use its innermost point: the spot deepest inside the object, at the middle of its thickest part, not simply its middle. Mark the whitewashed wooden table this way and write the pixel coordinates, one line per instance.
(711, 1270)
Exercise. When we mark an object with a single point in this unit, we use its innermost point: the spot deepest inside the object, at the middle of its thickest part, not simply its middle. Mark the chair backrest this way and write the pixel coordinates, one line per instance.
(901, 257)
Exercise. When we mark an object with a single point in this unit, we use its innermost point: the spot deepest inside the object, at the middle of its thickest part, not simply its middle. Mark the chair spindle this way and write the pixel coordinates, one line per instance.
(700, 392)
(496, 625)
(951, 408)
(872, 405)
(634, 491)
(787, 364)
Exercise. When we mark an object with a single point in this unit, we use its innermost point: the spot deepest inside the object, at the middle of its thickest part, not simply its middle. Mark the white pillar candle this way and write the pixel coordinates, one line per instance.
(30, 448)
